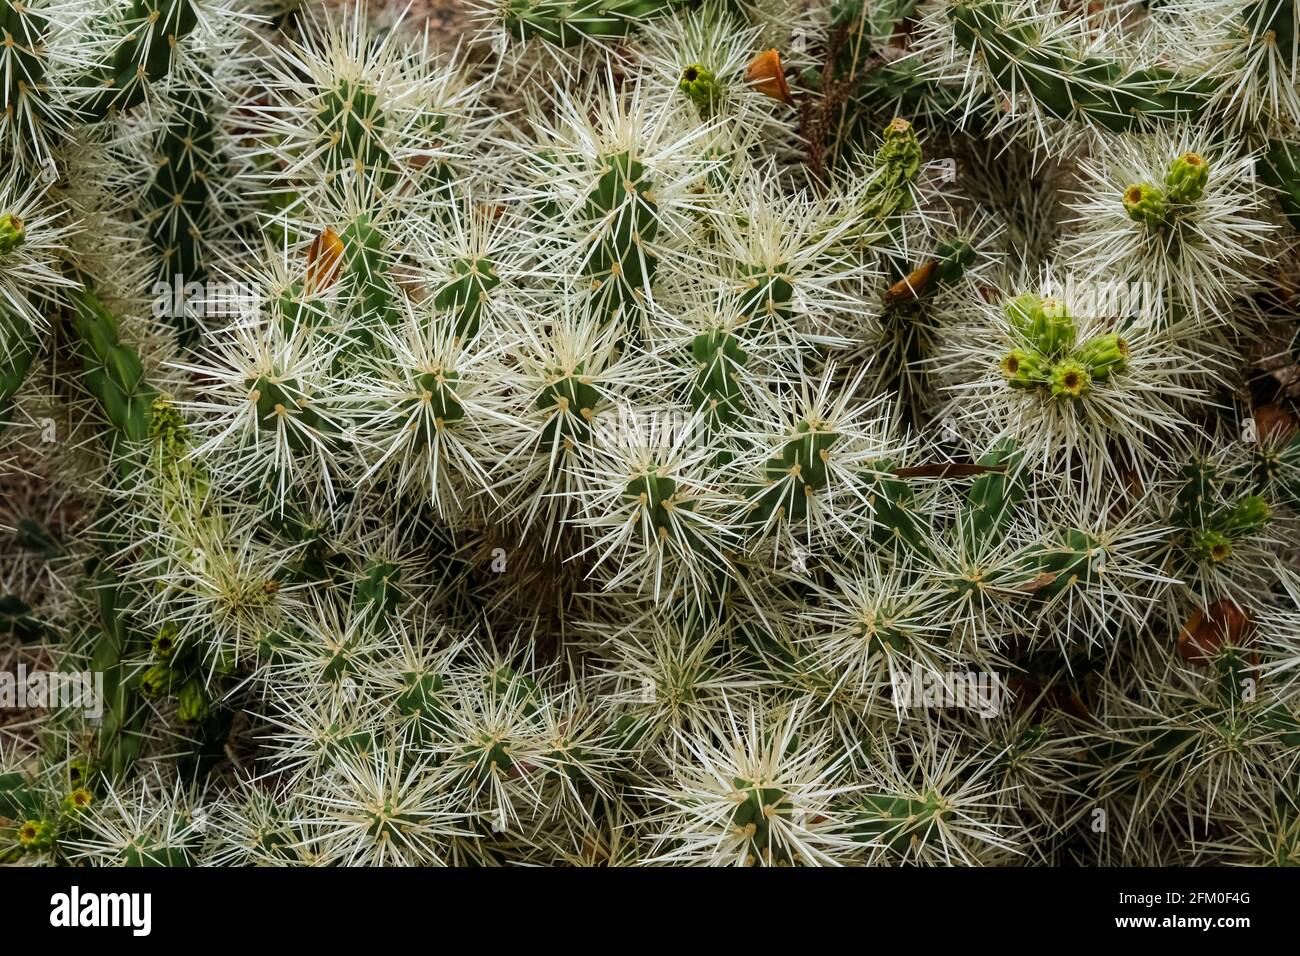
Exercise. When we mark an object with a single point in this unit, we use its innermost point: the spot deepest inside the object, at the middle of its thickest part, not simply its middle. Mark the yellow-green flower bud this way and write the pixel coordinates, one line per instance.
(1213, 546)
(191, 702)
(699, 84)
(1104, 354)
(78, 770)
(167, 430)
(78, 801)
(1146, 204)
(1023, 368)
(1056, 335)
(1247, 516)
(1022, 310)
(36, 835)
(1070, 379)
(1045, 323)
(156, 681)
(901, 150)
(1186, 179)
(164, 643)
(12, 233)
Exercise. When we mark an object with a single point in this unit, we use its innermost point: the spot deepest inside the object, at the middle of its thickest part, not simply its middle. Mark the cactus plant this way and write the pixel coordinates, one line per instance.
(650, 433)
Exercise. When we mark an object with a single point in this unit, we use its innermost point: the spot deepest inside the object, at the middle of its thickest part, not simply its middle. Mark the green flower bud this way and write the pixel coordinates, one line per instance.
(168, 431)
(78, 801)
(895, 164)
(164, 643)
(1046, 323)
(1186, 178)
(699, 84)
(78, 770)
(12, 233)
(1057, 332)
(191, 702)
(1146, 204)
(1070, 379)
(1023, 368)
(954, 259)
(1247, 516)
(1104, 354)
(36, 835)
(1022, 311)
(156, 681)
(901, 150)
(1211, 546)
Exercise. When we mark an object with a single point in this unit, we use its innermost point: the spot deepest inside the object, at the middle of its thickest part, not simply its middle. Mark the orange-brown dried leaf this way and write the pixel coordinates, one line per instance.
(913, 286)
(324, 260)
(766, 75)
(1207, 632)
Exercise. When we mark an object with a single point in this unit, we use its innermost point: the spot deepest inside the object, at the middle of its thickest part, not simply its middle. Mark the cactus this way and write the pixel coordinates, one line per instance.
(567, 23)
(796, 475)
(121, 735)
(621, 203)
(716, 390)
(115, 377)
(1109, 92)
(34, 116)
(153, 32)
(178, 202)
(993, 496)
(365, 273)
(16, 355)
(464, 296)
(1281, 170)
(677, 434)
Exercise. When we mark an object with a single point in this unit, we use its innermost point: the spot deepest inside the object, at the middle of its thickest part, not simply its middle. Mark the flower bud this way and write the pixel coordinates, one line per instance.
(168, 432)
(12, 233)
(156, 681)
(1247, 516)
(901, 150)
(1146, 204)
(1023, 368)
(324, 260)
(699, 84)
(1104, 354)
(78, 770)
(1069, 379)
(36, 835)
(1057, 332)
(912, 287)
(191, 702)
(1207, 633)
(1275, 425)
(1212, 546)
(78, 801)
(164, 643)
(1022, 310)
(1046, 323)
(1186, 179)
(955, 257)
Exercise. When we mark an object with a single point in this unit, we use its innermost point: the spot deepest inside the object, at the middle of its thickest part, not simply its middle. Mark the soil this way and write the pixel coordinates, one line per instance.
(447, 20)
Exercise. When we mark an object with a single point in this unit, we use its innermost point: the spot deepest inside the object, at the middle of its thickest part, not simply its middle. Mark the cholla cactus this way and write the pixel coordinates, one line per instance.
(660, 434)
